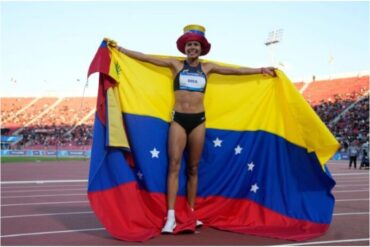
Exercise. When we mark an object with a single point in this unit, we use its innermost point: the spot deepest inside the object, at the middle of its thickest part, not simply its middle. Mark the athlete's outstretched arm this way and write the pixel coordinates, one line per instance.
(218, 69)
(165, 62)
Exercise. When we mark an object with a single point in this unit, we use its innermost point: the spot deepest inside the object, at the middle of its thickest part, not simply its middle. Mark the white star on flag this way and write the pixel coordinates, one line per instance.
(217, 142)
(140, 175)
(238, 150)
(250, 166)
(254, 188)
(155, 153)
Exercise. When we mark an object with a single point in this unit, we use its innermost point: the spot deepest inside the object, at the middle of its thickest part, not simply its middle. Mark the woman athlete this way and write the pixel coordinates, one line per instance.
(187, 129)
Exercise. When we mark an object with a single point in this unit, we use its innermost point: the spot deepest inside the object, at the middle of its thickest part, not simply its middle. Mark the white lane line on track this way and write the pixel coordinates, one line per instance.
(355, 213)
(45, 203)
(45, 181)
(91, 212)
(41, 203)
(40, 186)
(103, 229)
(330, 242)
(352, 185)
(349, 183)
(347, 191)
(44, 195)
(351, 200)
(22, 191)
(49, 190)
(38, 215)
(51, 232)
(351, 180)
(350, 174)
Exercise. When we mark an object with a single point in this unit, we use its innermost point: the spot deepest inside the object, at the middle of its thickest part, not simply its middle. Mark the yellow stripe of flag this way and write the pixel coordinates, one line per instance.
(241, 103)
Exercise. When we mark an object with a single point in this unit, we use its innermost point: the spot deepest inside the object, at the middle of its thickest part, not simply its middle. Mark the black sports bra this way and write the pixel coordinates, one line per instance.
(191, 79)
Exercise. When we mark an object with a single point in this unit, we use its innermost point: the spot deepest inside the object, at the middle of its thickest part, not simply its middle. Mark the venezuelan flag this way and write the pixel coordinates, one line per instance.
(262, 170)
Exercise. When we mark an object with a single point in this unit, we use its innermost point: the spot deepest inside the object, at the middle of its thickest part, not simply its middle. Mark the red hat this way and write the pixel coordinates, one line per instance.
(194, 33)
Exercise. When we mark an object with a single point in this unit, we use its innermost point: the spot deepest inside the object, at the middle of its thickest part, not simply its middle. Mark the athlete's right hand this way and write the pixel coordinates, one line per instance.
(111, 42)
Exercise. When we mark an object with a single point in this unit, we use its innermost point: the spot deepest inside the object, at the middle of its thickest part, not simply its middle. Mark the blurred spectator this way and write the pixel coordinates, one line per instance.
(353, 151)
(364, 159)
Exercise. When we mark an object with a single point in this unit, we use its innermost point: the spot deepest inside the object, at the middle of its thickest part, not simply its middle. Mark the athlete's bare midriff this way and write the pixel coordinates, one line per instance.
(188, 102)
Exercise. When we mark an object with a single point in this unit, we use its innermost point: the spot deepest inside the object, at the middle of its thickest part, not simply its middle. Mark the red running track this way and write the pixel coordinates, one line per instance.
(57, 212)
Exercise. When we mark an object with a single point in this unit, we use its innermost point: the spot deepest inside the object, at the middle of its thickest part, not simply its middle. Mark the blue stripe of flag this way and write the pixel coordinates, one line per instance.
(252, 165)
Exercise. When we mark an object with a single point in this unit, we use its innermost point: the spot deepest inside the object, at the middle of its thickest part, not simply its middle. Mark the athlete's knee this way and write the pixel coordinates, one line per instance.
(174, 165)
(192, 170)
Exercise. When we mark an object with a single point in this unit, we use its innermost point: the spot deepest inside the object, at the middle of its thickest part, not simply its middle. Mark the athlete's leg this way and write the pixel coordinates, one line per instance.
(176, 146)
(195, 148)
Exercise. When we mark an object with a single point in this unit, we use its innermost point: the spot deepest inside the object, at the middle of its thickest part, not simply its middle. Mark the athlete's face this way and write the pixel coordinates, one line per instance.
(193, 49)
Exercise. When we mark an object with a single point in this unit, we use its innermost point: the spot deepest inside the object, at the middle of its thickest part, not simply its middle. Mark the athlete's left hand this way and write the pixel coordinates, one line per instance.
(268, 71)
(111, 42)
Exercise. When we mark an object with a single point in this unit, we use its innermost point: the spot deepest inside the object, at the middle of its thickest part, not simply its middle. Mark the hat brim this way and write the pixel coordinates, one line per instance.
(186, 37)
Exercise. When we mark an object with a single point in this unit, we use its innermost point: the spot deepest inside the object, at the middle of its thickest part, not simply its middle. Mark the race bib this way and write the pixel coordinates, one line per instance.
(192, 81)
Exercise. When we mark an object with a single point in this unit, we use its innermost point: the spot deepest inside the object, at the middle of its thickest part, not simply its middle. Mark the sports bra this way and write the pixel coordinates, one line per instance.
(191, 79)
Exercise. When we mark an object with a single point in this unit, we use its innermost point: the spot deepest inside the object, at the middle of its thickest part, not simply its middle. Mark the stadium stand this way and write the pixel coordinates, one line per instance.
(50, 122)
(67, 122)
(319, 91)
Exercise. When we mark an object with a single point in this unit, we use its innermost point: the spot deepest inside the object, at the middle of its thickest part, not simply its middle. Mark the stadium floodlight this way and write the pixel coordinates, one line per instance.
(274, 37)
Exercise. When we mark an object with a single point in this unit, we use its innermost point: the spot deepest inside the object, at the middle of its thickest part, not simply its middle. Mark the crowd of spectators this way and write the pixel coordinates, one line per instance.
(9, 119)
(55, 136)
(45, 126)
(353, 124)
(8, 110)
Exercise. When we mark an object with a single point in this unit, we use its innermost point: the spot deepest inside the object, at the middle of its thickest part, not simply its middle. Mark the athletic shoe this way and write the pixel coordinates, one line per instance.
(169, 226)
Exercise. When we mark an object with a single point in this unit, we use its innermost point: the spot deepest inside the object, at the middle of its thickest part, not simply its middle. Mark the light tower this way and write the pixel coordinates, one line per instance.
(273, 38)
